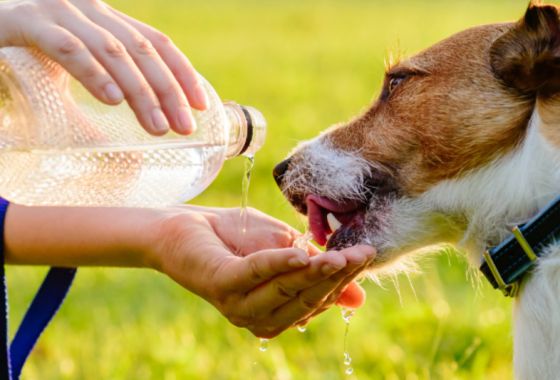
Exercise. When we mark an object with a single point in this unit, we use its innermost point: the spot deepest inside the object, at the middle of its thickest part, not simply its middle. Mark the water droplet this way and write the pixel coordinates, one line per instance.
(347, 359)
(263, 345)
(301, 329)
(302, 241)
(347, 315)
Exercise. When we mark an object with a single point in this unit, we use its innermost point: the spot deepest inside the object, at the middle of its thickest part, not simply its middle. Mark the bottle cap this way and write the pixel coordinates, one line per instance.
(256, 131)
(247, 130)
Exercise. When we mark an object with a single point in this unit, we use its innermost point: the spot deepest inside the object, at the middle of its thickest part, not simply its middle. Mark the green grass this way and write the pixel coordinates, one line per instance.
(306, 65)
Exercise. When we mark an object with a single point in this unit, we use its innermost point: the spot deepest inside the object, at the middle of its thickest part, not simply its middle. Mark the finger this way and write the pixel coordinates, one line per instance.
(349, 295)
(312, 250)
(171, 97)
(113, 56)
(248, 272)
(263, 300)
(65, 48)
(328, 291)
(353, 296)
(177, 62)
(312, 299)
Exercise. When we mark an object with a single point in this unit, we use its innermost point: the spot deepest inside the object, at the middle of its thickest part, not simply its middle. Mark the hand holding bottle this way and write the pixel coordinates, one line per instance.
(113, 55)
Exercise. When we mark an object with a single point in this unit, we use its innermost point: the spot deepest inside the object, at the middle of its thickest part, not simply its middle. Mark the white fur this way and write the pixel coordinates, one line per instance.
(493, 199)
(322, 169)
(537, 321)
(502, 194)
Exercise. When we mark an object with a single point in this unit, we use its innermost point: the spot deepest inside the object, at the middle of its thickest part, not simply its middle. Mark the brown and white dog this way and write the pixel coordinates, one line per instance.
(462, 144)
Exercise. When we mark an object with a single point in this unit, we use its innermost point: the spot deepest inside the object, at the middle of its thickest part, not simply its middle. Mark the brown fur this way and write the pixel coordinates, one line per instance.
(449, 115)
(462, 102)
(549, 110)
(527, 57)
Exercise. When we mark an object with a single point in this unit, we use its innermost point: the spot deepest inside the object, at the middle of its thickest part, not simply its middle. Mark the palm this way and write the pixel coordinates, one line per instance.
(260, 232)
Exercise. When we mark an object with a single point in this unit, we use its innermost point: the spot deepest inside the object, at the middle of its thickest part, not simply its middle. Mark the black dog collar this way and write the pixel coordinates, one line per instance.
(505, 264)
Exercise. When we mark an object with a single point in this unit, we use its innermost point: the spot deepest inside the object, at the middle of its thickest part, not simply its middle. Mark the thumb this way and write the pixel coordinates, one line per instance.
(353, 296)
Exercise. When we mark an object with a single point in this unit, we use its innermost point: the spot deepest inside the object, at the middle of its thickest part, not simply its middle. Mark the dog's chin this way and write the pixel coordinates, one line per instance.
(347, 235)
(373, 225)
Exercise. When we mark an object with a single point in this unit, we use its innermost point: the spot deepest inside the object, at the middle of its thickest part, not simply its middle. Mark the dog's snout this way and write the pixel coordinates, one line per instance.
(279, 171)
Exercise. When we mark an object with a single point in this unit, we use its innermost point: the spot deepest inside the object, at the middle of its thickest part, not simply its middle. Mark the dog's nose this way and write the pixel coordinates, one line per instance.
(279, 171)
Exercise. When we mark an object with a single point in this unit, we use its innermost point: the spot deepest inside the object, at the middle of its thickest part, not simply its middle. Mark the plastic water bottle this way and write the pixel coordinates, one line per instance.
(60, 146)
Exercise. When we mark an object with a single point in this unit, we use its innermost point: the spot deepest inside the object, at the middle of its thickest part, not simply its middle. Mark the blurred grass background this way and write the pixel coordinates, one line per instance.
(306, 65)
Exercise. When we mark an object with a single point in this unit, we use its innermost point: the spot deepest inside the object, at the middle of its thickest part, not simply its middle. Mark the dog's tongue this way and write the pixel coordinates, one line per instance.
(317, 210)
(317, 223)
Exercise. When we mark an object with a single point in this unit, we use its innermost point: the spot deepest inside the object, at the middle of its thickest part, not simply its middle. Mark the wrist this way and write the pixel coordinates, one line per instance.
(169, 232)
(184, 246)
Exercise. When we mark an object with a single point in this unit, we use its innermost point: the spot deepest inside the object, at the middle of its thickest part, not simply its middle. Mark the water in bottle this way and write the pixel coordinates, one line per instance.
(60, 146)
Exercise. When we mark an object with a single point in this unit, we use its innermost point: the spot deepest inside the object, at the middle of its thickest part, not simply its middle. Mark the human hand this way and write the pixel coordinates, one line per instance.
(265, 287)
(113, 55)
(260, 229)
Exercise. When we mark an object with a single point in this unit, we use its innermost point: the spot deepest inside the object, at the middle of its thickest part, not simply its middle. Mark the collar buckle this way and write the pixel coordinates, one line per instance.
(511, 289)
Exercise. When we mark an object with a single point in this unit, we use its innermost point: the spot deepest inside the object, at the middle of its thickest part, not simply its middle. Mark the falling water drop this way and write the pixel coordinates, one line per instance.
(347, 315)
(263, 346)
(347, 359)
(302, 241)
(301, 329)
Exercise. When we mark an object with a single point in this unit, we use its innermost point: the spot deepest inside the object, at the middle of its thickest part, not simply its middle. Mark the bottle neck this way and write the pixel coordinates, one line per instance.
(247, 130)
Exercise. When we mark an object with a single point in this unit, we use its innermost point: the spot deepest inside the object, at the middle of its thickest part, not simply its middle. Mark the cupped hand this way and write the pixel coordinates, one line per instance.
(113, 55)
(257, 281)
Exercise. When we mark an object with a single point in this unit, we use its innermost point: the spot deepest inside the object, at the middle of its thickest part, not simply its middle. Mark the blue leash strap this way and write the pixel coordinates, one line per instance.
(44, 306)
(5, 366)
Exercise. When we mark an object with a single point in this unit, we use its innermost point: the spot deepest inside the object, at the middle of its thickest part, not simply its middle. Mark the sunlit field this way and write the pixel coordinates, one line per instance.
(306, 65)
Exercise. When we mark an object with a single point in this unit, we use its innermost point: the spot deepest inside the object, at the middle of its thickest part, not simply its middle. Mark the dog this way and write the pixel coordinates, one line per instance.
(462, 144)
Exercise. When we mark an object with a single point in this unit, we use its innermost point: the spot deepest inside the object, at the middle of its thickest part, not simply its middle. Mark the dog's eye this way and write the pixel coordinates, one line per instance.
(394, 82)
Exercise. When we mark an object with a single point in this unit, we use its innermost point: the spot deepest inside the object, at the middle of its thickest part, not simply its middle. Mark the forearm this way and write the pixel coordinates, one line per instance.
(67, 236)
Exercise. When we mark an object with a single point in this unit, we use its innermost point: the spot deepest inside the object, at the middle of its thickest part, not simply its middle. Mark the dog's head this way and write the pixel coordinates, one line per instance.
(463, 141)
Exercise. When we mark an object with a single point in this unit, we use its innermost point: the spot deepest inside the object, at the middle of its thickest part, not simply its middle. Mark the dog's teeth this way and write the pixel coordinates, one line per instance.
(334, 224)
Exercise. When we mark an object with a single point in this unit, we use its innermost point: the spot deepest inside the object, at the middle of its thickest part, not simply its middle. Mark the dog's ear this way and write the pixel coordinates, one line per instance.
(527, 57)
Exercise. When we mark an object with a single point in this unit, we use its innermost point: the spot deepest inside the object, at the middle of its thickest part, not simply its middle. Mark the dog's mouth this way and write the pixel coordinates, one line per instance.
(335, 225)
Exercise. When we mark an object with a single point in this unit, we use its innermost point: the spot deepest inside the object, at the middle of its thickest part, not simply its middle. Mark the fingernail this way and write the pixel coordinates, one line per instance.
(361, 260)
(371, 253)
(159, 121)
(298, 261)
(113, 93)
(329, 269)
(186, 121)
